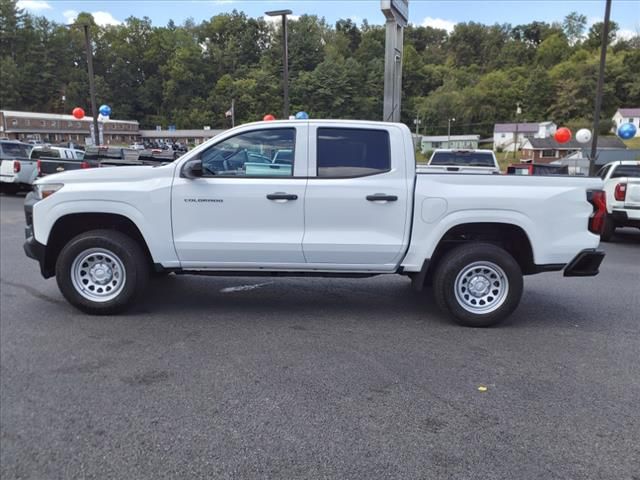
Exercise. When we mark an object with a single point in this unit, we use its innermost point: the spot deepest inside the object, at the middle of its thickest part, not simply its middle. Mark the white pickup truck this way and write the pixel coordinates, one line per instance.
(622, 187)
(346, 203)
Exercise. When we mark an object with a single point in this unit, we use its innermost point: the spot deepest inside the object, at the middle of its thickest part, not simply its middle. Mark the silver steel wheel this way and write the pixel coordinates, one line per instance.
(98, 274)
(481, 287)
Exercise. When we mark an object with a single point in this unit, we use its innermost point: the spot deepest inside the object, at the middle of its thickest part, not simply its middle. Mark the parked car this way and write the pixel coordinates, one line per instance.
(537, 169)
(351, 205)
(51, 159)
(463, 161)
(622, 187)
(16, 169)
(136, 146)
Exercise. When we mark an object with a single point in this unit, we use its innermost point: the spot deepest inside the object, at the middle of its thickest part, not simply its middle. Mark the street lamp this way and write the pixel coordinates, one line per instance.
(449, 132)
(417, 122)
(285, 56)
(515, 141)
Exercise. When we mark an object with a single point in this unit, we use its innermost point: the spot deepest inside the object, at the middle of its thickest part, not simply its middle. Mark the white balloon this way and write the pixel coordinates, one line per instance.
(583, 135)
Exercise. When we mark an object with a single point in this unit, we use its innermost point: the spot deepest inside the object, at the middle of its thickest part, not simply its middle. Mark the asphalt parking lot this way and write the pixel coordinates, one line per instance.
(314, 378)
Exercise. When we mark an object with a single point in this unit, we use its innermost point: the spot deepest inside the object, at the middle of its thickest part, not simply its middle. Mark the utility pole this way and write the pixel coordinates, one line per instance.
(285, 57)
(596, 115)
(92, 87)
(233, 112)
(515, 141)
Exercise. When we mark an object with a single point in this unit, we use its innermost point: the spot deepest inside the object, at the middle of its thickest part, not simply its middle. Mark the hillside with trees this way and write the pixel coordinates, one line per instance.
(187, 74)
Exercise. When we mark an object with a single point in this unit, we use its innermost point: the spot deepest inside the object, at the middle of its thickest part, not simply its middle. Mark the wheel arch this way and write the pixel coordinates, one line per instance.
(69, 226)
(508, 236)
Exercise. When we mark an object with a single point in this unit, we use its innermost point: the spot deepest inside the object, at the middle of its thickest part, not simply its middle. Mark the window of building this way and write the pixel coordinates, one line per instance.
(43, 123)
(14, 122)
(548, 153)
(351, 152)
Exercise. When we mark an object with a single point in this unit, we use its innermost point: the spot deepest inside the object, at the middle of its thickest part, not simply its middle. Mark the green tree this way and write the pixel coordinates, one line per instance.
(574, 26)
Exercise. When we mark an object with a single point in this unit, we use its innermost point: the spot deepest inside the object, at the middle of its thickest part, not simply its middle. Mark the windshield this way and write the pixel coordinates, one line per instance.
(10, 149)
(463, 158)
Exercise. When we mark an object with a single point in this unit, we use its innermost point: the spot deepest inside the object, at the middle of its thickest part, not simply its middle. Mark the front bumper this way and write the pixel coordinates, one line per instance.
(585, 264)
(33, 248)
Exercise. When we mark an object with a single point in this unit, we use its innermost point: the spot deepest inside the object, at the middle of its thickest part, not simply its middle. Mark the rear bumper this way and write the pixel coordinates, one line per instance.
(585, 264)
(626, 218)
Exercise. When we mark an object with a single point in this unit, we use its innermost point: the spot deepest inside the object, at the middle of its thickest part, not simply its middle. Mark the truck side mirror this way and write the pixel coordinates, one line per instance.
(192, 169)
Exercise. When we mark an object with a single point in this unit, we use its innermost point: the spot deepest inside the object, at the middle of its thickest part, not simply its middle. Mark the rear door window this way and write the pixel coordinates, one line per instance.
(351, 152)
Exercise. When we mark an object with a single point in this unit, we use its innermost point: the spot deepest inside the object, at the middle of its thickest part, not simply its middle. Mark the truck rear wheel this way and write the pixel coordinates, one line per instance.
(101, 272)
(608, 230)
(480, 284)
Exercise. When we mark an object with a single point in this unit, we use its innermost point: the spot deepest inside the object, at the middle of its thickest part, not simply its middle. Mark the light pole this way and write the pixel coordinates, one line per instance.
(515, 142)
(596, 115)
(449, 132)
(285, 56)
(417, 122)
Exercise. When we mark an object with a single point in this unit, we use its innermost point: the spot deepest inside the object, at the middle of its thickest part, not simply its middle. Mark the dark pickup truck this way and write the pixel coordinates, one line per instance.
(55, 159)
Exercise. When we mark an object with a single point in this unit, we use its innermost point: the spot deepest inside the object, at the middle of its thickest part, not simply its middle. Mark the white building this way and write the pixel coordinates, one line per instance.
(431, 142)
(504, 134)
(627, 115)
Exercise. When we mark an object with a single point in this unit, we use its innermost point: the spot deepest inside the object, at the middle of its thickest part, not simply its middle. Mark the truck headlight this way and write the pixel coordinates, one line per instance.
(43, 190)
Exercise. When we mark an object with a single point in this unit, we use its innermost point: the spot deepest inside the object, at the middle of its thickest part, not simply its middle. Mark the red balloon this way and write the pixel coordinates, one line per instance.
(78, 113)
(562, 135)
(268, 117)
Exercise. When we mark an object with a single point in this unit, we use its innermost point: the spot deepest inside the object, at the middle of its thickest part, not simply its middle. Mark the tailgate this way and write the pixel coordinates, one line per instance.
(57, 165)
(632, 199)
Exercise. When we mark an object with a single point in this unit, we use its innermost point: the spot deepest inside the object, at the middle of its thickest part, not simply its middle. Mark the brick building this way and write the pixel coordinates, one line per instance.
(54, 128)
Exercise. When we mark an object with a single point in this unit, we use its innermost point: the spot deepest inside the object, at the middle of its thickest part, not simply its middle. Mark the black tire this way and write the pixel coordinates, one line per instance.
(132, 260)
(469, 258)
(9, 188)
(609, 229)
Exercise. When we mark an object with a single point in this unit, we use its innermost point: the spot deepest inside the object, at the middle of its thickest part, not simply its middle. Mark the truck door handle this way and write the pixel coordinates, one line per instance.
(381, 197)
(282, 196)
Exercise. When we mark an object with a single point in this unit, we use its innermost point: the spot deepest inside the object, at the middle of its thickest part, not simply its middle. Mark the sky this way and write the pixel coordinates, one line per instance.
(436, 13)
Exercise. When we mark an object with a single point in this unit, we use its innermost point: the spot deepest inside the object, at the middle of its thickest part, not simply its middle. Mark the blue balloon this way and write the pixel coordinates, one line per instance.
(627, 131)
(105, 110)
(302, 116)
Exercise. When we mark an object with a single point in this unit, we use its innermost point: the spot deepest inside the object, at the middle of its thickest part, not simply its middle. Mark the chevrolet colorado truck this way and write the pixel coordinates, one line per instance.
(348, 204)
(622, 187)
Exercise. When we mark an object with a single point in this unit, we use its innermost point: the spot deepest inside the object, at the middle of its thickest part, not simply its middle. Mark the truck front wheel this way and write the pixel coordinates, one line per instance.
(101, 272)
(480, 284)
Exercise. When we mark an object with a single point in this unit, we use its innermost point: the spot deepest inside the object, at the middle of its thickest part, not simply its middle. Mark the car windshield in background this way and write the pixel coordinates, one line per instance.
(462, 158)
(10, 149)
(101, 153)
(626, 171)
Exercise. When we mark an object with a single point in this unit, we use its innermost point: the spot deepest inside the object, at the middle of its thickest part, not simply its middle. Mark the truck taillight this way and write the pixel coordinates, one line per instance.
(85, 165)
(16, 166)
(598, 199)
(39, 167)
(620, 192)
